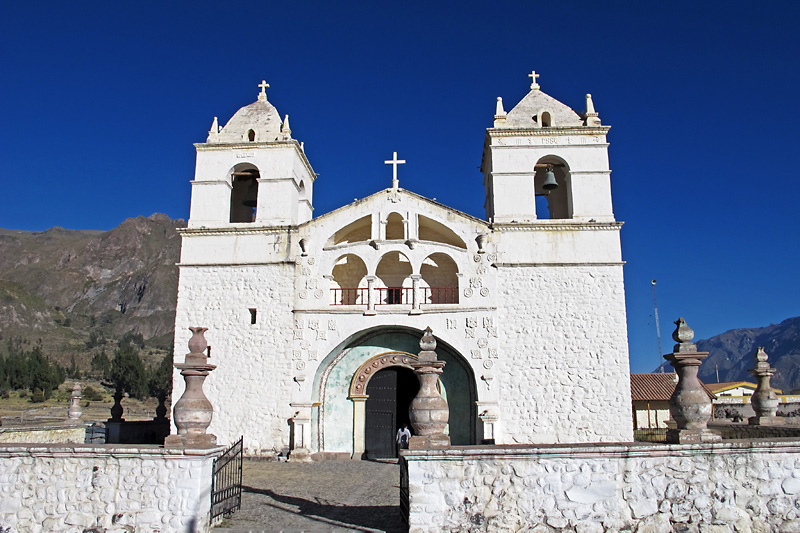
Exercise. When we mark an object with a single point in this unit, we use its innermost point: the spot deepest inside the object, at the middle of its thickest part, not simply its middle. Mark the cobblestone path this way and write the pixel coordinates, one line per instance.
(320, 496)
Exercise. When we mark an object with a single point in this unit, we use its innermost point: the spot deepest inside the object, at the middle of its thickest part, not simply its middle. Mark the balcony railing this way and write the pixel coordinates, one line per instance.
(349, 296)
(395, 296)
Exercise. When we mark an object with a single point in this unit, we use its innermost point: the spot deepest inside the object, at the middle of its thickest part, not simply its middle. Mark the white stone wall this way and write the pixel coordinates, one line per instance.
(252, 386)
(564, 355)
(723, 487)
(108, 488)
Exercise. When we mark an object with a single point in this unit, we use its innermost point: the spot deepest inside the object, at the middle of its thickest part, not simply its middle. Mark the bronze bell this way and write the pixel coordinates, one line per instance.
(549, 180)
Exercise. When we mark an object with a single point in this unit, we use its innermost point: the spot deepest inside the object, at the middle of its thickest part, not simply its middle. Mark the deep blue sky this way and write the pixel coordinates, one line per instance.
(103, 100)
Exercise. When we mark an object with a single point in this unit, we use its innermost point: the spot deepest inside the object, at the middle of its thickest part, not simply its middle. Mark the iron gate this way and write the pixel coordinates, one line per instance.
(226, 484)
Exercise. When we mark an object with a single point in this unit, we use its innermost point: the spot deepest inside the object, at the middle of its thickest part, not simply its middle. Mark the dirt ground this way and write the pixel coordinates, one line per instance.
(320, 496)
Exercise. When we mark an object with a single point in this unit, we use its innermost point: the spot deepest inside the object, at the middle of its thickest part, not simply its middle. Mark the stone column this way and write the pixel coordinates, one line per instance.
(301, 433)
(74, 411)
(415, 296)
(359, 424)
(370, 296)
(764, 400)
(192, 413)
(429, 412)
(689, 405)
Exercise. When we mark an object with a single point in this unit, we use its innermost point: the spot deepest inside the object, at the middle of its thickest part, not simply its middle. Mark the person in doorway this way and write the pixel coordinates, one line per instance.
(403, 436)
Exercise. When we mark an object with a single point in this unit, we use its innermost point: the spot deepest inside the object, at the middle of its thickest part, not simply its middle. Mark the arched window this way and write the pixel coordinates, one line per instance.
(357, 231)
(440, 279)
(546, 120)
(395, 228)
(394, 271)
(431, 230)
(553, 203)
(251, 135)
(244, 195)
(349, 286)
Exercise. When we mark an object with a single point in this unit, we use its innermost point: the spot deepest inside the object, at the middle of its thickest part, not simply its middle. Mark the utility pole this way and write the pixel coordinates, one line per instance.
(658, 328)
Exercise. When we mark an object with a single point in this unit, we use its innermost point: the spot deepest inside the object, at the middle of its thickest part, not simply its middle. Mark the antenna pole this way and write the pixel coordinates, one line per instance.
(658, 328)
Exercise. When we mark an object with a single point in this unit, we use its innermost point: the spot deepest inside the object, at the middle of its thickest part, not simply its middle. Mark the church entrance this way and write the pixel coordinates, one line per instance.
(390, 393)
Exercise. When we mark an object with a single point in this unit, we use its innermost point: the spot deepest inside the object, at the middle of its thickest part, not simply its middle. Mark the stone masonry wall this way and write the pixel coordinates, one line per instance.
(51, 434)
(564, 355)
(721, 488)
(251, 387)
(104, 488)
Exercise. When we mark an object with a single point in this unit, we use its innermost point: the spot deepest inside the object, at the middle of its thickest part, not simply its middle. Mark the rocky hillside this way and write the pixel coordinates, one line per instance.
(733, 352)
(75, 290)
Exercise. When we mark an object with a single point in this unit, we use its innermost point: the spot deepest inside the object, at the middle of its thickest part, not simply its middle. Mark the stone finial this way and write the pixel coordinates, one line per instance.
(764, 400)
(262, 96)
(592, 118)
(499, 114)
(286, 131)
(193, 412)
(213, 133)
(689, 406)
(74, 412)
(683, 335)
(429, 412)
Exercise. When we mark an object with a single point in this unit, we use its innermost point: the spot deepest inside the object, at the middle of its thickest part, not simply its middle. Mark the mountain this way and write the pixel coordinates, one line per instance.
(77, 290)
(732, 353)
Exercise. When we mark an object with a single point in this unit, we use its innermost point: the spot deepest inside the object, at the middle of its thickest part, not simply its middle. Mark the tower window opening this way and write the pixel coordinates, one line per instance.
(546, 121)
(253, 315)
(251, 135)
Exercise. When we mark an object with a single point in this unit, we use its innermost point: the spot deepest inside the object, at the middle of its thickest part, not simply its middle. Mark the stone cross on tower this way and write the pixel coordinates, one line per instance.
(533, 77)
(262, 96)
(394, 162)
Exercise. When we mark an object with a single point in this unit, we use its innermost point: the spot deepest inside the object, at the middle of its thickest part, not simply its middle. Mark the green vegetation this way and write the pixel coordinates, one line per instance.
(28, 368)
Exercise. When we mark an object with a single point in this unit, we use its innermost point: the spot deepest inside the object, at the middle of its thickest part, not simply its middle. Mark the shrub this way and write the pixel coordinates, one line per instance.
(37, 396)
(92, 395)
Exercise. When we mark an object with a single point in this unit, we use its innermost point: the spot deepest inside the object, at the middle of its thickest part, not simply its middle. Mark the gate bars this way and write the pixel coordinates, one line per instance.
(226, 483)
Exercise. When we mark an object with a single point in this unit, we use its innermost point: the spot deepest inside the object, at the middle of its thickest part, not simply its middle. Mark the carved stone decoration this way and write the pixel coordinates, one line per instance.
(192, 413)
(74, 412)
(689, 405)
(362, 376)
(429, 412)
(481, 240)
(304, 247)
(764, 400)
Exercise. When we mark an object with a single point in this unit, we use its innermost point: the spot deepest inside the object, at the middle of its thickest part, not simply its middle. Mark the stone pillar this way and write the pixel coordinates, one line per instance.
(116, 409)
(359, 425)
(689, 405)
(301, 434)
(74, 411)
(370, 296)
(192, 413)
(429, 412)
(415, 294)
(764, 400)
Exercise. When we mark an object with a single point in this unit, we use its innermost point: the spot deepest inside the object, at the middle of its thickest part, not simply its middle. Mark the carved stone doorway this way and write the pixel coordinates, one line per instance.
(390, 393)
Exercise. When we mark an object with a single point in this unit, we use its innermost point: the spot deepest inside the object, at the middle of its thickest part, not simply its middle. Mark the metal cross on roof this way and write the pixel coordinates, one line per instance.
(394, 162)
(533, 77)
(263, 93)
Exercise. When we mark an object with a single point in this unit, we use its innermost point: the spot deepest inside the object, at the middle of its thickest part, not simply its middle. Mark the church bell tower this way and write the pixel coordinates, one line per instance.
(544, 150)
(251, 172)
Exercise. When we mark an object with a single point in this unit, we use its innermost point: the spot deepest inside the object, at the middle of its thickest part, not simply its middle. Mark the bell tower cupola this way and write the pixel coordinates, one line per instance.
(251, 171)
(542, 160)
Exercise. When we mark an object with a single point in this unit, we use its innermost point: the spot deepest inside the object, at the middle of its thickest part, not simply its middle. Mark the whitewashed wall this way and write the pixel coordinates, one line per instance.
(564, 355)
(77, 488)
(723, 487)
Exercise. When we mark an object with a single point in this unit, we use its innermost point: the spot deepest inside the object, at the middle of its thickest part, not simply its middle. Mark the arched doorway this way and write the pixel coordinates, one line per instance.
(338, 416)
(390, 393)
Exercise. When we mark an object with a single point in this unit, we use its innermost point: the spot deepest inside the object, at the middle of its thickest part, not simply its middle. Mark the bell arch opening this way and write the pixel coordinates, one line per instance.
(553, 203)
(394, 272)
(440, 279)
(244, 193)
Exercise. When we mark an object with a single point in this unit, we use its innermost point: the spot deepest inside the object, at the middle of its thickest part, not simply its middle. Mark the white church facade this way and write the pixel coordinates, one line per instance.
(313, 320)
